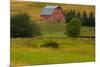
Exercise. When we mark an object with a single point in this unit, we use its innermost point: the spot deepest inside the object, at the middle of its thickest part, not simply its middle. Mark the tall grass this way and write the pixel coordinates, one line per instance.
(70, 50)
(27, 51)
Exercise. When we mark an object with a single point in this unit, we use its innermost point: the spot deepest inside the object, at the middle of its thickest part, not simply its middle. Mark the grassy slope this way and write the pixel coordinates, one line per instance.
(58, 30)
(71, 50)
(34, 8)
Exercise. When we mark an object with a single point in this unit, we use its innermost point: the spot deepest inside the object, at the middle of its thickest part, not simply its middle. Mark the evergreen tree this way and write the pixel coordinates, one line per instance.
(78, 15)
(91, 19)
(84, 19)
(69, 15)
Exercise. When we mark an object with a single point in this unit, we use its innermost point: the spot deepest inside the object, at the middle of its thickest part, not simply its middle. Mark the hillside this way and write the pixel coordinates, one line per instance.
(34, 8)
(29, 51)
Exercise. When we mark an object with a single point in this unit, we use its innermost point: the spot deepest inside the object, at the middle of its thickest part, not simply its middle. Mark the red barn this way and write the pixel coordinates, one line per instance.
(52, 14)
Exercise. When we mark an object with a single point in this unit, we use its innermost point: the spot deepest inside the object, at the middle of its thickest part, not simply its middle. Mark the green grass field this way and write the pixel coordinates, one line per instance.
(27, 51)
(58, 30)
(70, 50)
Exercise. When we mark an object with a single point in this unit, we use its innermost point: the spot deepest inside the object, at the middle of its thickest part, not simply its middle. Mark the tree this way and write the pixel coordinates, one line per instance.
(22, 26)
(69, 15)
(84, 19)
(78, 15)
(91, 19)
(73, 28)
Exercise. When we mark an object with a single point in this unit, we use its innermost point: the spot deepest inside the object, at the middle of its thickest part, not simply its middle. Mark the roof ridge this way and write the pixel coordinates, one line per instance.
(48, 10)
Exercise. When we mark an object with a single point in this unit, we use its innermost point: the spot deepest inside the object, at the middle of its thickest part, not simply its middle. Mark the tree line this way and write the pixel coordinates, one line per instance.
(86, 19)
(23, 26)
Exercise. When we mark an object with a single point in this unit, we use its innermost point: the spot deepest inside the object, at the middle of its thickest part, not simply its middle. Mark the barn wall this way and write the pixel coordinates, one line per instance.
(45, 18)
(57, 16)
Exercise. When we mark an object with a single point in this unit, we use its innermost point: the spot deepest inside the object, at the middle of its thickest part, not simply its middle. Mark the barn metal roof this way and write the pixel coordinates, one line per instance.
(48, 10)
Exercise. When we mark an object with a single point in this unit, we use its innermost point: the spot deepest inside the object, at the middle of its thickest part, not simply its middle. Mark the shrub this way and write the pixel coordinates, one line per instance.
(73, 28)
(22, 26)
(51, 44)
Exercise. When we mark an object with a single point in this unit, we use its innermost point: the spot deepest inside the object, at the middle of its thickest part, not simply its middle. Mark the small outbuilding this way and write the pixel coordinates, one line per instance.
(52, 14)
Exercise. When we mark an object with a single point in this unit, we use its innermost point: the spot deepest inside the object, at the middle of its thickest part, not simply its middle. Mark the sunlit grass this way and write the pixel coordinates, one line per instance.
(27, 51)
(34, 8)
(70, 50)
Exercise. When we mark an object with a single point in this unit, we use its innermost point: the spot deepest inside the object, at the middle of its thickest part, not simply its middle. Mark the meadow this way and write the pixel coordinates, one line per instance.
(27, 51)
(70, 51)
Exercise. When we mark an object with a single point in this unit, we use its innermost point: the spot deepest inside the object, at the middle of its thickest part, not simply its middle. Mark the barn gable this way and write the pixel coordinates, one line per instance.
(48, 10)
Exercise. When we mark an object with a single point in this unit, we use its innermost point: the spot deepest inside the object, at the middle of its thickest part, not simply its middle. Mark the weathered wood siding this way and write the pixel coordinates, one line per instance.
(57, 16)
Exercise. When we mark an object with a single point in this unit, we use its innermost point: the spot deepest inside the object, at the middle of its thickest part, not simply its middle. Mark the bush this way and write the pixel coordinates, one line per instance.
(51, 44)
(22, 26)
(73, 28)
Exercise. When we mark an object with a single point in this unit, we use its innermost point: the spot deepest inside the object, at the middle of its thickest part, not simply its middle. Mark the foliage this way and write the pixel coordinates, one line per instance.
(91, 19)
(69, 15)
(73, 28)
(22, 26)
(78, 15)
(51, 44)
(88, 20)
(84, 19)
